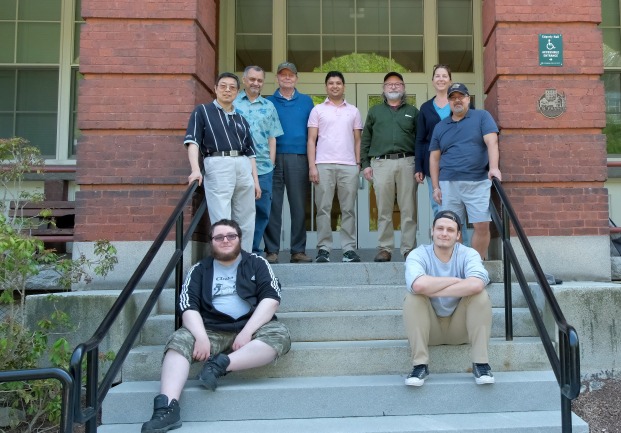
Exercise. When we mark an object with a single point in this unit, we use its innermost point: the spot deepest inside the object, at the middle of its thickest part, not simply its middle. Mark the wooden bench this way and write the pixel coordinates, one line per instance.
(51, 221)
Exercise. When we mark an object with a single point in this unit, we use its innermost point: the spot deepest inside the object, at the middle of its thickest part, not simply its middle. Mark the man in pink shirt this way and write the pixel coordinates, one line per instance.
(334, 129)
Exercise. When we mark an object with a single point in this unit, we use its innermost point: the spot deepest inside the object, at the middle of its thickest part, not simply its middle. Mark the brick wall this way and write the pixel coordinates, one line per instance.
(553, 169)
(146, 64)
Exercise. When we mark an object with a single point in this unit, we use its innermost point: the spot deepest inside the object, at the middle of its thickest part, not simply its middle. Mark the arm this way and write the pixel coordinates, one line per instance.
(491, 141)
(447, 286)
(255, 177)
(193, 321)
(357, 139)
(365, 145)
(194, 164)
(419, 152)
(271, 143)
(261, 315)
(311, 150)
(434, 171)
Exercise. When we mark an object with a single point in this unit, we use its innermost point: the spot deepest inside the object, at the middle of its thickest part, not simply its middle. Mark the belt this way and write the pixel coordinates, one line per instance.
(226, 153)
(394, 156)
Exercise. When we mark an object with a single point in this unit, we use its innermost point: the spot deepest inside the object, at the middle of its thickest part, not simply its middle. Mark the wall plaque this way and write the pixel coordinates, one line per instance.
(551, 49)
(552, 103)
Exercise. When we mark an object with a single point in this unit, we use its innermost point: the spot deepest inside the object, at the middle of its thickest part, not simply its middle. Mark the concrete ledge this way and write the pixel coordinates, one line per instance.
(593, 309)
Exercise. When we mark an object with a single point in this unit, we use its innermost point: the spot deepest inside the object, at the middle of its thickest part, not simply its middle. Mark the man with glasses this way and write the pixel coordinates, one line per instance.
(387, 159)
(464, 158)
(265, 127)
(446, 300)
(222, 137)
(227, 303)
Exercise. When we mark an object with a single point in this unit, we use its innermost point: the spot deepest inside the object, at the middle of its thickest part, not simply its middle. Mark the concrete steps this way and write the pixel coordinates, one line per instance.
(381, 396)
(347, 364)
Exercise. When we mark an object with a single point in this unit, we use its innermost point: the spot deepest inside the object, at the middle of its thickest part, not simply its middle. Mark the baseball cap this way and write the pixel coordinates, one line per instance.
(393, 74)
(287, 65)
(450, 215)
(458, 87)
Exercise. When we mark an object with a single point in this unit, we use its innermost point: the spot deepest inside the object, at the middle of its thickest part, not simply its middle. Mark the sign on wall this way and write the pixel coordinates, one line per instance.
(551, 49)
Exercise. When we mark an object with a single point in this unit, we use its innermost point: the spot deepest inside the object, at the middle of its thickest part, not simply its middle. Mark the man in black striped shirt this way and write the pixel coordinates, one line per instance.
(222, 137)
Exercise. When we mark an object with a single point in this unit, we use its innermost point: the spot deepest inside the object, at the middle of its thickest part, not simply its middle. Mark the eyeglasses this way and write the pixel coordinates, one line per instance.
(224, 87)
(457, 98)
(220, 238)
(397, 85)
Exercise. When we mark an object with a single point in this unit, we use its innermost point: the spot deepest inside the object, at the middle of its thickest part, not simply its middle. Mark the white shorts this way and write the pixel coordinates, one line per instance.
(466, 196)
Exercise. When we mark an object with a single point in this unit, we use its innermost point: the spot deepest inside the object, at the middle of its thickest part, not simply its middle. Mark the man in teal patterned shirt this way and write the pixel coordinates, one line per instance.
(264, 127)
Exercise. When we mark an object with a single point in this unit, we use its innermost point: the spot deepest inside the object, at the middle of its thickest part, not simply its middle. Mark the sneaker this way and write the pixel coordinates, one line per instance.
(165, 416)
(300, 258)
(272, 258)
(418, 375)
(383, 256)
(482, 374)
(214, 368)
(323, 256)
(351, 256)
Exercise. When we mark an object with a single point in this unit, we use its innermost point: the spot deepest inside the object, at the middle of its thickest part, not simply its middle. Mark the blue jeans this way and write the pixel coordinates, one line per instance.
(263, 207)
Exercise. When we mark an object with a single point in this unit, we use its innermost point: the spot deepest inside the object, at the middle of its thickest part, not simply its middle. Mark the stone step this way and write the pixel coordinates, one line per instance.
(346, 325)
(505, 422)
(348, 274)
(351, 298)
(238, 399)
(343, 358)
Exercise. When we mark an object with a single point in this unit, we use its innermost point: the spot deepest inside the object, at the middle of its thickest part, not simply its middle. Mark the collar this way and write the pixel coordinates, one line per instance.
(329, 102)
(243, 95)
(219, 107)
(293, 96)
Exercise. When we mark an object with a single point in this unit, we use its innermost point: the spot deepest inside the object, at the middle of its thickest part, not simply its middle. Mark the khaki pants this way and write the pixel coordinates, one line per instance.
(343, 178)
(390, 175)
(471, 322)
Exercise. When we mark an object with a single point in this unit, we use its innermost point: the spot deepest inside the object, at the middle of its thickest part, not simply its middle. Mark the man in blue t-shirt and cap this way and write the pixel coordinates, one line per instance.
(464, 158)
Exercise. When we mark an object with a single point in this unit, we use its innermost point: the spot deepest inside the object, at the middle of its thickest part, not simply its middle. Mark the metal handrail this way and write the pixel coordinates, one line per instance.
(66, 415)
(95, 393)
(565, 365)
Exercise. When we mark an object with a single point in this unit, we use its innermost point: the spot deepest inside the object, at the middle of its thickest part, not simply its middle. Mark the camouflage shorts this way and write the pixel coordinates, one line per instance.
(274, 334)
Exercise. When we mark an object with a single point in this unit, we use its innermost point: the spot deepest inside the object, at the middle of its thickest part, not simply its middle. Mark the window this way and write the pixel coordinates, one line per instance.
(378, 31)
(455, 35)
(38, 72)
(611, 30)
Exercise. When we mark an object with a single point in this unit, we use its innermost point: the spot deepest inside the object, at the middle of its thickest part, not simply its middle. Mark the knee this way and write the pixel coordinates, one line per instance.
(482, 228)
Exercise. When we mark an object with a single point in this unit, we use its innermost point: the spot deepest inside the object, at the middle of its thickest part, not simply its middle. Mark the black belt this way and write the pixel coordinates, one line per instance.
(394, 156)
(226, 153)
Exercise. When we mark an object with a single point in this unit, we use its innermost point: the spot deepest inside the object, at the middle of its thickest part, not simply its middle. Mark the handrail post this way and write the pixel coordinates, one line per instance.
(178, 267)
(92, 377)
(506, 268)
(565, 414)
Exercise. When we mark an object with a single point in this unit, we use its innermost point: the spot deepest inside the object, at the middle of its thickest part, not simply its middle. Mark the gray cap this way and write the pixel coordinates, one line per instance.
(287, 65)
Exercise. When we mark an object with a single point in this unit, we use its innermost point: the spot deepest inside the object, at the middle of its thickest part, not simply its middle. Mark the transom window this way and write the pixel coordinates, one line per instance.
(354, 35)
(39, 55)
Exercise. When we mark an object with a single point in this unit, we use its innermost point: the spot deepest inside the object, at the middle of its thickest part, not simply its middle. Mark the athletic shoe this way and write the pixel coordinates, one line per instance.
(272, 258)
(351, 256)
(300, 258)
(383, 256)
(323, 256)
(482, 374)
(214, 368)
(418, 375)
(165, 416)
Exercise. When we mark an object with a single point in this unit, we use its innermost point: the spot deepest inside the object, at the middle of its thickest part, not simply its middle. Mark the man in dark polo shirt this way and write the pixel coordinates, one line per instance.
(221, 136)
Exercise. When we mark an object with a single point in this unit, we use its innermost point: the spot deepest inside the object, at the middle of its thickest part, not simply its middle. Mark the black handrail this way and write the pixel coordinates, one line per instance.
(66, 415)
(566, 365)
(95, 393)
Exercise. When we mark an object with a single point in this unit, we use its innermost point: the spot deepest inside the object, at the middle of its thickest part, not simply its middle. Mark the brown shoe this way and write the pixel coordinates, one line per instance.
(383, 256)
(272, 258)
(300, 258)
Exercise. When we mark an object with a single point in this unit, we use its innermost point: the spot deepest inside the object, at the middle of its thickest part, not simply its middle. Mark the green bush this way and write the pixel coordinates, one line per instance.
(24, 346)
